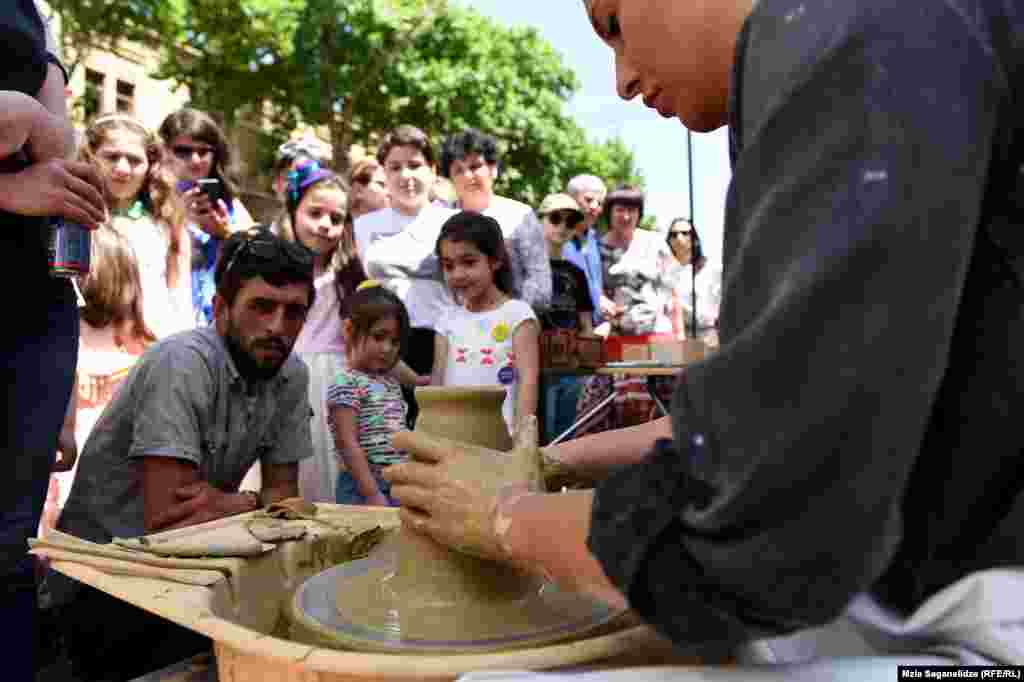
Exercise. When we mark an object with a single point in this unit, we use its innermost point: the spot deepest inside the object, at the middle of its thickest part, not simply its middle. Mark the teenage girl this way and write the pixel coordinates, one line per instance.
(490, 338)
(145, 210)
(315, 215)
(365, 402)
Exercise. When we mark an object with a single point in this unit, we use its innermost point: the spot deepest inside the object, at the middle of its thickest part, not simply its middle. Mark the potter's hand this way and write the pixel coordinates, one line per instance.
(201, 502)
(455, 492)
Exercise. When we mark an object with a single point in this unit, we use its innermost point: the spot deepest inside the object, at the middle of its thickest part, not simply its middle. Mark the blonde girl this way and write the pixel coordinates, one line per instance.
(113, 333)
(144, 210)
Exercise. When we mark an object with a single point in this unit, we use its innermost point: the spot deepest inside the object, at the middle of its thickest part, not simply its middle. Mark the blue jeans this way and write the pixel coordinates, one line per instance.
(560, 396)
(38, 355)
(347, 491)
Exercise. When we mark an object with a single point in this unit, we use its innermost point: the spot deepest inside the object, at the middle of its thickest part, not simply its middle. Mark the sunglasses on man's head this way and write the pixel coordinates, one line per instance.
(262, 246)
(558, 217)
(185, 151)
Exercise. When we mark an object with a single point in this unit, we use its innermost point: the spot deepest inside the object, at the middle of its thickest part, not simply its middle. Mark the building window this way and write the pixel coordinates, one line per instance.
(92, 98)
(125, 97)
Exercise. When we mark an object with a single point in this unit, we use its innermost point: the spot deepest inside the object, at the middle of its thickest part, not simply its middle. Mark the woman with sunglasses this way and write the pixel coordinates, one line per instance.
(684, 242)
(198, 151)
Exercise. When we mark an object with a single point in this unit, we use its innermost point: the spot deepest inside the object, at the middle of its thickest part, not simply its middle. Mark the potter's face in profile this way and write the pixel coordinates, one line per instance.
(675, 54)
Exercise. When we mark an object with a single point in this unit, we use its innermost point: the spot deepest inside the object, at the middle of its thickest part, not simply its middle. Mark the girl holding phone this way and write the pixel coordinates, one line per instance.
(200, 159)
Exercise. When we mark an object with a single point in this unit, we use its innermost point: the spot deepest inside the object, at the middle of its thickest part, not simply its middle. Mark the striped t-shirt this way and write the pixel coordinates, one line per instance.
(380, 411)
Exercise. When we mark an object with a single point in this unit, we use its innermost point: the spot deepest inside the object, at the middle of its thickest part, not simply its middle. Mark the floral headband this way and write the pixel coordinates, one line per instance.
(305, 173)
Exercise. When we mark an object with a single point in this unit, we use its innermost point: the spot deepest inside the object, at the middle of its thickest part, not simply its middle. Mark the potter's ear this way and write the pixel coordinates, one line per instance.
(346, 331)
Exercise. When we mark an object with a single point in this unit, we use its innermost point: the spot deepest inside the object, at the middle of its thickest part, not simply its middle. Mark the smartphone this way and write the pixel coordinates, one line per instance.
(212, 188)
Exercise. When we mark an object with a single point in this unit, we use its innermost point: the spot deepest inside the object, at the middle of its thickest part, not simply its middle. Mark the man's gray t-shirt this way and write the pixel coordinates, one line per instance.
(185, 399)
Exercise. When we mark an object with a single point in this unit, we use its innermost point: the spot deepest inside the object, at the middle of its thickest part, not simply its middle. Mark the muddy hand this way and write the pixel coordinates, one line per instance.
(451, 491)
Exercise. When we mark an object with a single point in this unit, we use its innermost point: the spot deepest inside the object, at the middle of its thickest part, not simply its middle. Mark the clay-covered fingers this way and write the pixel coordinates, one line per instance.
(418, 521)
(526, 434)
(414, 496)
(423, 475)
(424, 447)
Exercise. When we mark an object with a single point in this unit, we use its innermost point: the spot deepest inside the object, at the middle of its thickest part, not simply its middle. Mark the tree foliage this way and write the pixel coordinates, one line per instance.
(90, 25)
(362, 67)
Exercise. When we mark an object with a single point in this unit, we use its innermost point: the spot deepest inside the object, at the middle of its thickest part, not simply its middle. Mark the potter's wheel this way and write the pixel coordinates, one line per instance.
(362, 605)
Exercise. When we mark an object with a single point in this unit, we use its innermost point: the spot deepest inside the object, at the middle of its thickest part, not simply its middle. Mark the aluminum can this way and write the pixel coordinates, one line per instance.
(69, 248)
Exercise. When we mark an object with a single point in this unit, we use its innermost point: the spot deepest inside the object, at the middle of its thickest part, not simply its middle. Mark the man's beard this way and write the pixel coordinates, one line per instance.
(248, 366)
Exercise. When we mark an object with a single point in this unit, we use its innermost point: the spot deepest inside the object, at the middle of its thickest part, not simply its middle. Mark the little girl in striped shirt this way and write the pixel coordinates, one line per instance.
(365, 404)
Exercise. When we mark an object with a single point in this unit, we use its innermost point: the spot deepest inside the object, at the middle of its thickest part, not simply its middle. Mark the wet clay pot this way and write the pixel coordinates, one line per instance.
(423, 597)
(470, 414)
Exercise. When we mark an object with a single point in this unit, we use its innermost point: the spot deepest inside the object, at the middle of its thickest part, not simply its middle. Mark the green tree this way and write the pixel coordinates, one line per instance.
(361, 67)
(348, 53)
(90, 25)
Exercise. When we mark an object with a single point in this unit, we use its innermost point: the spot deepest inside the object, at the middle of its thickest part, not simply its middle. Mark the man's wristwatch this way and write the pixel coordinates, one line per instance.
(253, 497)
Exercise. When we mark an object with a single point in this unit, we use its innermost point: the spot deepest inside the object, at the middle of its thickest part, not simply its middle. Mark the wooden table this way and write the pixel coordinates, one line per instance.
(651, 372)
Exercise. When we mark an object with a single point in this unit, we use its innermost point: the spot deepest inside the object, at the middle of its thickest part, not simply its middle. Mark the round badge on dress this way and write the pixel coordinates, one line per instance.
(506, 375)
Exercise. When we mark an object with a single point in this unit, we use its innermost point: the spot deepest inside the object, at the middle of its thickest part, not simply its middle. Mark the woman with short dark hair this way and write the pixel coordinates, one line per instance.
(470, 159)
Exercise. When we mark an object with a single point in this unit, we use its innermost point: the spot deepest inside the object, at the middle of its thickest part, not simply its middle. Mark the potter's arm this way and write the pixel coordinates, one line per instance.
(592, 457)
(546, 534)
(445, 494)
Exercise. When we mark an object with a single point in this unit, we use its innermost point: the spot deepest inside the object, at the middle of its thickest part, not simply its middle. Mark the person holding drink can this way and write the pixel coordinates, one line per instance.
(38, 353)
